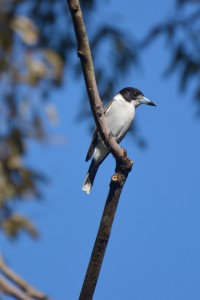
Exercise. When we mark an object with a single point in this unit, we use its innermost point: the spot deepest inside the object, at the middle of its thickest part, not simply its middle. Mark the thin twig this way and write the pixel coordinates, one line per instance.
(8, 289)
(123, 163)
(29, 291)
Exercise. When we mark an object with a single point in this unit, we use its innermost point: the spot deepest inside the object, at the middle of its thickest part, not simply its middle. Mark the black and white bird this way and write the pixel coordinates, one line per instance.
(119, 115)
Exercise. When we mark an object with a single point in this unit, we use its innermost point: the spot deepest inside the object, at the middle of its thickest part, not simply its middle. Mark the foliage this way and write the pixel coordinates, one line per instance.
(183, 40)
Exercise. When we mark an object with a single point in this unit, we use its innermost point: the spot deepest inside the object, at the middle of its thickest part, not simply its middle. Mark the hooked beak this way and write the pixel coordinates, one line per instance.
(144, 100)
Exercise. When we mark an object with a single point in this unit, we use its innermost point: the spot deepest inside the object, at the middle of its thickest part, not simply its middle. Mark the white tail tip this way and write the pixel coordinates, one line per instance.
(86, 188)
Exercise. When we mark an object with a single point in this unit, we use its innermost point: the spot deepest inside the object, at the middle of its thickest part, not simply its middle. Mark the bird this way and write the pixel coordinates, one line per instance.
(119, 115)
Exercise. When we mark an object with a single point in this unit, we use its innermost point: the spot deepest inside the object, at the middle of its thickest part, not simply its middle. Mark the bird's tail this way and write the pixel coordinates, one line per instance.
(89, 179)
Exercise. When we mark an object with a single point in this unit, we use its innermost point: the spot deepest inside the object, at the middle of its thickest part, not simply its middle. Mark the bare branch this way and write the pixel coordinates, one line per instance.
(28, 290)
(9, 289)
(123, 163)
(84, 54)
(101, 242)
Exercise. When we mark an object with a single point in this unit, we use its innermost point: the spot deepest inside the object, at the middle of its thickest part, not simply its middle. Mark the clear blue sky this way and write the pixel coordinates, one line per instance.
(154, 249)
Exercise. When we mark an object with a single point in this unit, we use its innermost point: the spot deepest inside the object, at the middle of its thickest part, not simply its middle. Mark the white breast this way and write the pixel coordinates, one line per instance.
(119, 116)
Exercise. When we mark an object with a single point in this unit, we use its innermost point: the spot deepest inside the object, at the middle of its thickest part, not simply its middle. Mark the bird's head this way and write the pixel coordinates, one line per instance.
(135, 96)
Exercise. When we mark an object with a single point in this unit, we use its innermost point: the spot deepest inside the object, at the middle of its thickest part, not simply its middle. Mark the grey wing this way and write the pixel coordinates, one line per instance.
(95, 136)
(106, 107)
(92, 145)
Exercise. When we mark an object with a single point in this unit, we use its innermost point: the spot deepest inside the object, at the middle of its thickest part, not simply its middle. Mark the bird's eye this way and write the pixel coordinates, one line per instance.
(134, 95)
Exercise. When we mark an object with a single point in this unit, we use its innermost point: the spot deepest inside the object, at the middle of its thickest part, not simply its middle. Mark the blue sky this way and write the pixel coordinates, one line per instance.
(153, 252)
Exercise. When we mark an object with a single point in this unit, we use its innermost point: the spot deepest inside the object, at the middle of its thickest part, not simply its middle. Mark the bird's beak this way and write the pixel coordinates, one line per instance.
(144, 100)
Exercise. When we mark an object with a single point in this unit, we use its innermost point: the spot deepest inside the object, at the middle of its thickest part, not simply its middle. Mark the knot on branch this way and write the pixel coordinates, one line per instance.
(80, 54)
(124, 164)
(75, 8)
(98, 111)
(115, 177)
(117, 180)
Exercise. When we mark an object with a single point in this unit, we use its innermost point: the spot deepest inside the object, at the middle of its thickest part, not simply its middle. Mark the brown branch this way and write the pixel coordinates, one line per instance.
(84, 54)
(28, 290)
(123, 163)
(101, 242)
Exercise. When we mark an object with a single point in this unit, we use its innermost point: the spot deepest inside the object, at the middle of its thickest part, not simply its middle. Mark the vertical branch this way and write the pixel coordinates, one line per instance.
(100, 244)
(123, 163)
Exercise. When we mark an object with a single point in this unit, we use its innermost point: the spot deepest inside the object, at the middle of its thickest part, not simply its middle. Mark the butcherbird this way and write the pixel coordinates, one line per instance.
(119, 115)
